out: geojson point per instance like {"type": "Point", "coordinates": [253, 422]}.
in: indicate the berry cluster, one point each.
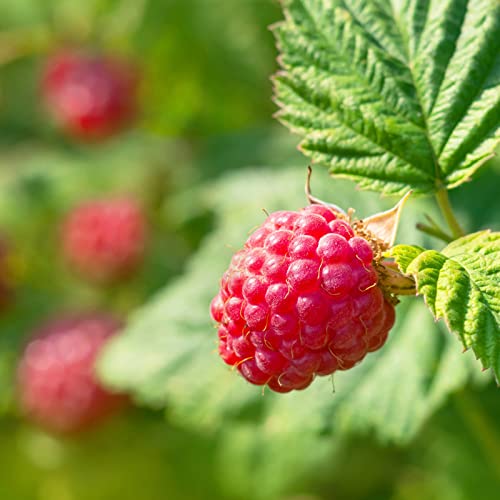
{"type": "Point", "coordinates": [90, 96]}
{"type": "Point", "coordinates": [301, 299]}
{"type": "Point", "coordinates": [57, 386]}
{"type": "Point", "coordinates": [104, 241]}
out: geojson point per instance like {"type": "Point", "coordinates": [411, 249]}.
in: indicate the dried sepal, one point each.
{"type": "Point", "coordinates": [384, 225]}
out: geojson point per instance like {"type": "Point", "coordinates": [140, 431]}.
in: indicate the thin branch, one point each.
{"type": "Point", "coordinates": [435, 231]}
{"type": "Point", "coordinates": [444, 204]}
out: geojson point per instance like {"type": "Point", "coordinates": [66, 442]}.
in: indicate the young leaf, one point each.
{"type": "Point", "coordinates": [167, 356]}
{"type": "Point", "coordinates": [461, 284]}
{"type": "Point", "coordinates": [397, 95]}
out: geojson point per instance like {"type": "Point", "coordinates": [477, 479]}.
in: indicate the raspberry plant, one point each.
{"type": "Point", "coordinates": [395, 95]}
{"type": "Point", "coordinates": [394, 106]}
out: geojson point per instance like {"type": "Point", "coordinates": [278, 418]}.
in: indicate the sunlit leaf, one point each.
{"type": "Point", "coordinates": [461, 284]}
{"type": "Point", "coordinates": [394, 94]}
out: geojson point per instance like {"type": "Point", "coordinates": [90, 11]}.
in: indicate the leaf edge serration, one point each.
{"type": "Point", "coordinates": [411, 261]}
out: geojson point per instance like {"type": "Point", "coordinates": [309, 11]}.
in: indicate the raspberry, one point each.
{"type": "Point", "coordinates": [91, 96]}
{"type": "Point", "coordinates": [57, 386]}
{"type": "Point", "coordinates": [301, 299]}
{"type": "Point", "coordinates": [105, 240]}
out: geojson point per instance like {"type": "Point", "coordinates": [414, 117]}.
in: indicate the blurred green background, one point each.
{"type": "Point", "coordinates": [204, 158]}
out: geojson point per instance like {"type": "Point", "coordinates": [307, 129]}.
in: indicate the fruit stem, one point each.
{"type": "Point", "coordinates": [313, 200]}
{"type": "Point", "coordinates": [445, 206]}
{"type": "Point", "coordinates": [435, 231]}
{"type": "Point", "coordinates": [480, 426]}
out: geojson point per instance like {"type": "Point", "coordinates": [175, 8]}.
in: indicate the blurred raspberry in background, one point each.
{"type": "Point", "coordinates": [105, 240]}
{"type": "Point", "coordinates": [92, 96]}
{"type": "Point", "coordinates": [58, 388]}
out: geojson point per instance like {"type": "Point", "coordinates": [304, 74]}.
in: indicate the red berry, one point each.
{"type": "Point", "coordinates": [104, 241]}
{"type": "Point", "coordinates": [301, 299]}
{"type": "Point", "coordinates": [56, 381]}
{"type": "Point", "coordinates": [91, 96]}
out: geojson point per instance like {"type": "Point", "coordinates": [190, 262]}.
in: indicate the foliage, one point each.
{"type": "Point", "coordinates": [460, 284]}
{"type": "Point", "coordinates": [393, 94]}
{"type": "Point", "coordinates": [167, 368]}
{"type": "Point", "coordinates": [392, 392]}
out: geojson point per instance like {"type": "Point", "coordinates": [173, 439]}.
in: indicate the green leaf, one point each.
{"type": "Point", "coordinates": [461, 285]}
{"type": "Point", "coordinates": [393, 94]}
{"type": "Point", "coordinates": [167, 356]}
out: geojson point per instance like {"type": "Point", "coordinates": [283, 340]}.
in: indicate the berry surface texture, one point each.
{"type": "Point", "coordinates": [301, 299]}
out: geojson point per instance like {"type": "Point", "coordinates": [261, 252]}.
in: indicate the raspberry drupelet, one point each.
{"type": "Point", "coordinates": [301, 299]}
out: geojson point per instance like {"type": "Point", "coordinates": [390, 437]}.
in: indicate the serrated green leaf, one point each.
{"type": "Point", "coordinates": [394, 94]}
{"type": "Point", "coordinates": [461, 284]}
{"type": "Point", "coordinates": [167, 357]}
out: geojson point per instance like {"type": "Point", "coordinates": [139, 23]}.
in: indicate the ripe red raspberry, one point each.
{"type": "Point", "coordinates": [105, 240]}
{"type": "Point", "coordinates": [56, 381]}
{"type": "Point", "coordinates": [92, 96]}
{"type": "Point", "coordinates": [301, 299]}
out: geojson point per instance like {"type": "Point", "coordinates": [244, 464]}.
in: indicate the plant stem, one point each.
{"type": "Point", "coordinates": [481, 427]}
{"type": "Point", "coordinates": [444, 204]}
{"type": "Point", "coordinates": [435, 231]}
